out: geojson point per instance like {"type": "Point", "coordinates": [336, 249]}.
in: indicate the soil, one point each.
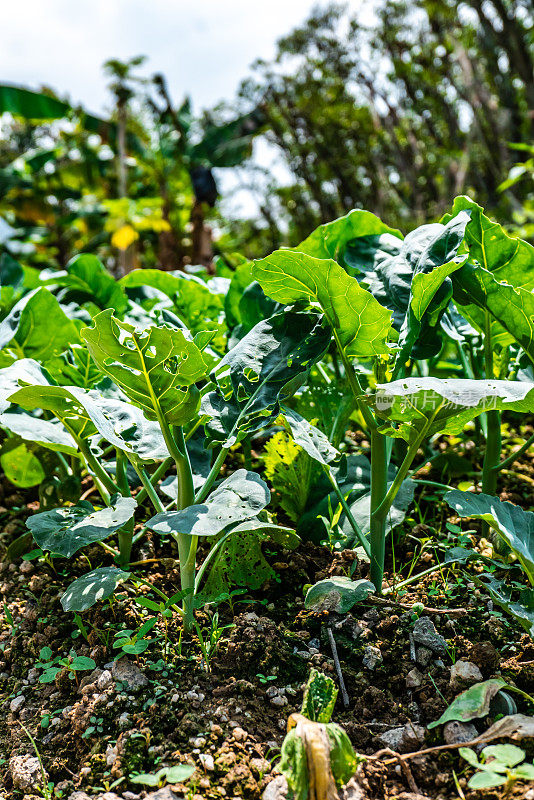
{"type": "Point", "coordinates": [228, 717]}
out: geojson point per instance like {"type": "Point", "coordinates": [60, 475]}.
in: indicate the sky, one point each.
{"type": "Point", "coordinates": [203, 47]}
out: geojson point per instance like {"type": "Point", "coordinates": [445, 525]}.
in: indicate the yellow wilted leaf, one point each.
{"type": "Point", "coordinates": [124, 237]}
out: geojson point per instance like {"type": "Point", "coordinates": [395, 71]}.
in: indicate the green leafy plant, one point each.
{"type": "Point", "coordinates": [51, 665]}
{"type": "Point", "coordinates": [177, 774]}
{"type": "Point", "coordinates": [499, 765]}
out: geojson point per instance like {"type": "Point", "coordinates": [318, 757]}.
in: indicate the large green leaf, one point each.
{"type": "Point", "coordinates": [240, 497]}
{"type": "Point", "coordinates": [67, 530]}
{"type": "Point", "coordinates": [198, 305]}
{"type": "Point", "coordinates": [87, 279]}
{"type": "Point", "coordinates": [359, 321]}
{"type": "Point", "coordinates": [265, 368]}
{"type": "Point", "coordinates": [156, 368]}
{"type": "Point", "coordinates": [500, 281]}
{"type": "Point", "coordinates": [412, 278]}
{"type": "Point", "coordinates": [508, 258]}
{"type": "Point", "coordinates": [331, 239]}
{"type": "Point", "coordinates": [84, 413]}
{"type": "Point", "coordinates": [97, 585]}
{"type": "Point", "coordinates": [37, 327]}
{"type": "Point", "coordinates": [239, 560]}
{"type": "Point", "coordinates": [478, 291]}
{"type": "Point", "coordinates": [31, 105]}
{"type": "Point", "coordinates": [47, 434]}
{"type": "Point", "coordinates": [435, 406]}
{"type": "Point", "coordinates": [20, 464]}
{"type": "Point", "coordinates": [521, 609]}
{"type": "Point", "coordinates": [26, 371]}
{"type": "Point", "coordinates": [514, 525]}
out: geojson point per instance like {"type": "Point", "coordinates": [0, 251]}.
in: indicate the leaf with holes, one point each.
{"type": "Point", "coordinates": [37, 327]}
{"type": "Point", "coordinates": [434, 405]}
{"type": "Point", "coordinates": [338, 594]}
{"type": "Point", "coordinates": [262, 371]}
{"type": "Point", "coordinates": [156, 368]}
{"type": "Point", "coordinates": [310, 438]}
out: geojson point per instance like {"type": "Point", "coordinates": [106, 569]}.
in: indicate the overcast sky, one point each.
{"type": "Point", "coordinates": [204, 47]}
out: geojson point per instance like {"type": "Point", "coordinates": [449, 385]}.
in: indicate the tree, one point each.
{"type": "Point", "coordinates": [399, 115]}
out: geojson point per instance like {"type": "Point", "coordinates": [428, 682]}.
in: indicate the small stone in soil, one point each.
{"type": "Point", "coordinates": [17, 703]}
{"type": "Point", "coordinates": [455, 732]}
{"type": "Point", "coordinates": [129, 673]}
{"type": "Point", "coordinates": [371, 657]}
{"type": "Point", "coordinates": [464, 674]}
{"type": "Point", "coordinates": [25, 772]}
{"type": "Point", "coordinates": [414, 678]}
{"type": "Point", "coordinates": [424, 633]}
{"type": "Point", "coordinates": [423, 656]}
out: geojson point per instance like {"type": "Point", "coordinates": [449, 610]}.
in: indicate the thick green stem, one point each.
{"type": "Point", "coordinates": [186, 497]}
{"type": "Point", "coordinates": [354, 525]}
{"type": "Point", "coordinates": [125, 544]}
{"type": "Point", "coordinates": [493, 421]}
{"type": "Point", "coordinates": [379, 478]}
{"type": "Point", "coordinates": [186, 492]}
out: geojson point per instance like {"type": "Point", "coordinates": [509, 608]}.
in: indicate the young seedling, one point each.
{"type": "Point", "coordinates": [499, 765]}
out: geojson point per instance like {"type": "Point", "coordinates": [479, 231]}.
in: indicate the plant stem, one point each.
{"type": "Point", "coordinates": [354, 525]}
{"type": "Point", "coordinates": [355, 386]}
{"type": "Point", "coordinates": [379, 477]}
{"type": "Point", "coordinates": [121, 475]}
{"type": "Point", "coordinates": [443, 486]}
{"type": "Point", "coordinates": [493, 419]}
{"type": "Point", "coordinates": [210, 480]}
{"type": "Point", "coordinates": [98, 471]}
{"type": "Point", "coordinates": [151, 492]}
{"type": "Point", "coordinates": [125, 537]}
{"type": "Point", "coordinates": [154, 478]}
{"type": "Point", "coordinates": [64, 464]}
{"type": "Point", "coordinates": [187, 545]}
{"type": "Point", "coordinates": [511, 458]}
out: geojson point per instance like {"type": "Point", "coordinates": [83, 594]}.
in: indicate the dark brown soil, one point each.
{"type": "Point", "coordinates": [229, 718]}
